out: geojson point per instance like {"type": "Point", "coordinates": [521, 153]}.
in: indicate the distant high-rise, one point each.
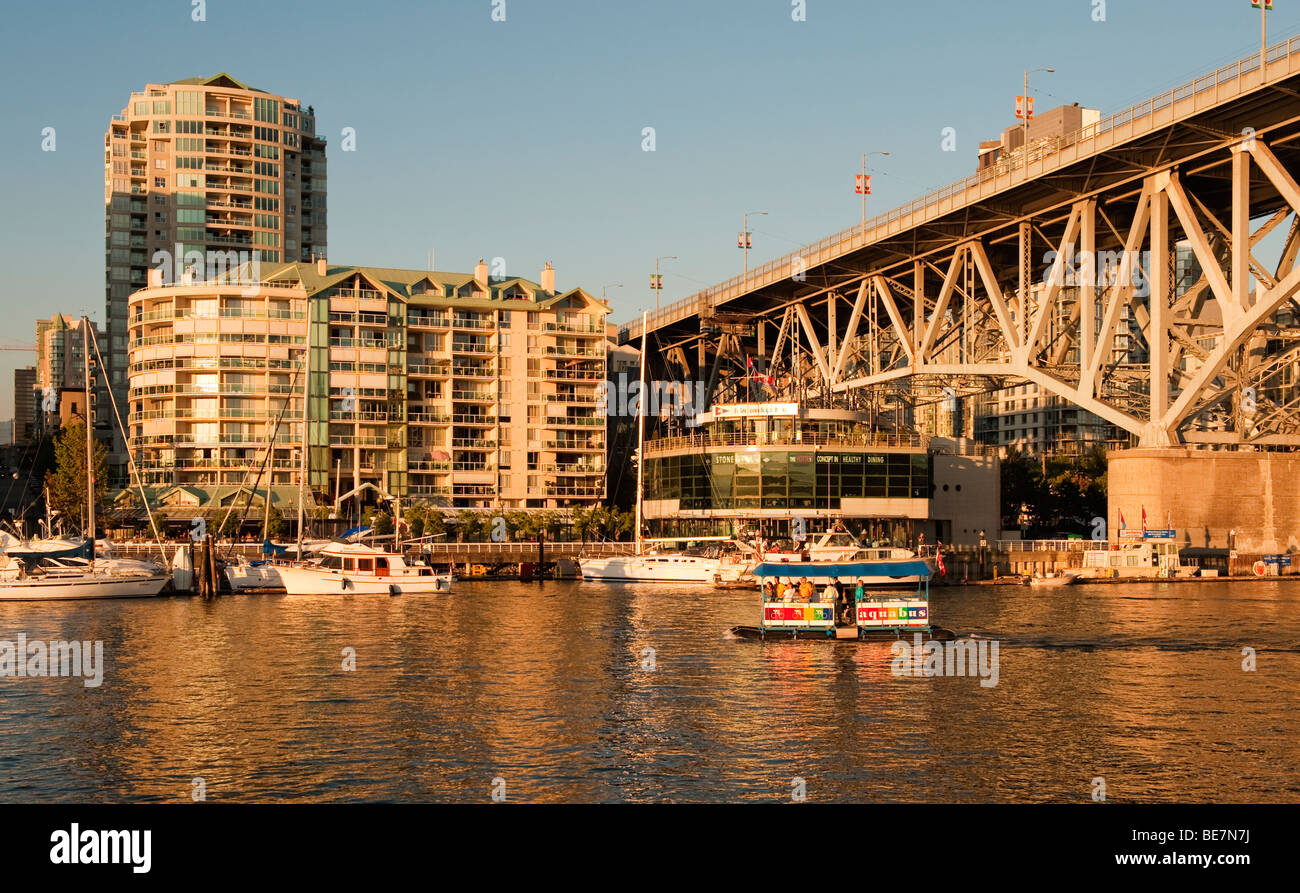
{"type": "Point", "coordinates": [24, 403]}
{"type": "Point", "coordinates": [210, 172]}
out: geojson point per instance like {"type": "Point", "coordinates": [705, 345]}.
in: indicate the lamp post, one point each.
{"type": "Point", "coordinates": [744, 237]}
{"type": "Point", "coordinates": [1027, 114]}
{"type": "Point", "coordinates": [1264, 6]}
{"type": "Point", "coordinates": [863, 187]}
{"type": "Point", "coordinates": [603, 299]}
{"type": "Point", "coordinates": [658, 282]}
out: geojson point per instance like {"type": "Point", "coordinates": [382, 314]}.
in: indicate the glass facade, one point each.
{"type": "Point", "coordinates": [779, 479]}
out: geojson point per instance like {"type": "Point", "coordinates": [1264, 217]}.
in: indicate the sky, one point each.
{"type": "Point", "coordinates": [523, 139]}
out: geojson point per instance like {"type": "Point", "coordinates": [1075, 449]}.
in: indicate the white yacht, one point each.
{"type": "Point", "coordinates": [56, 578]}
{"type": "Point", "coordinates": [655, 566]}
{"type": "Point", "coordinates": [354, 569]}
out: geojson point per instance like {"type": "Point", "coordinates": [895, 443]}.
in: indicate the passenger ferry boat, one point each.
{"type": "Point", "coordinates": [354, 569]}
{"type": "Point", "coordinates": [877, 616]}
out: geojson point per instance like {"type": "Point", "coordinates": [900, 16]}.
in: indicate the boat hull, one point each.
{"type": "Point", "coordinates": [315, 581]}
{"type": "Point", "coordinates": [633, 569]}
{"type": "Point", "coordinates": [70, 587]}
{"type": "Point", "coordinates": [254, 576]}
{"type": "Point", "coordinates": [931, 633]}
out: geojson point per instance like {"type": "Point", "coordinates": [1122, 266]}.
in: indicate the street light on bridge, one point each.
{"type": "Point", "coordinates": [657, 282]}
{"type": "Point", "coordinates": [745, 242]}
{"type": "Point", "coordinates": [1025, 110]}
{"type": "Point", "coordinates": [863, 187]}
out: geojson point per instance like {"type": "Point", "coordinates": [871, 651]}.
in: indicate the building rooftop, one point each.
{"type": "Point", "coordinates": [216, 80]}
{"type": "Point", "coordinates": [412, 285]}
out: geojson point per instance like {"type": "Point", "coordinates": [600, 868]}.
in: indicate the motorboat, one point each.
{"type": "Point", "coordinates": [356, 569]}
{"type": "Point", "coordinates": [1053, 580]}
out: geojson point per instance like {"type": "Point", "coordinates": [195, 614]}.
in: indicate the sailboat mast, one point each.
{"type": "Point", "coordinates": [90, 450]}
{"type": "Point", "coordinates": [302, 464]}
{"type": "Point", "coordinates": [640, 433]}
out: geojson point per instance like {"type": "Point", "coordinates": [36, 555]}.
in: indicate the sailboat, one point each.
{"type": "Point", "coordinates": [45, 574]}
{"type": "Point", "coordinates": [246, 574]}
{"type": "Point", "coordinates": [661, 564]}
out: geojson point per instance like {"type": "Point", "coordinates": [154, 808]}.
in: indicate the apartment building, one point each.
{"type": "Point", "coordinates": [61, 352]}
{"type": "Point", "coordinates": [456, 389]}
{"type": "Point", "coordinates": [24, 404]}
{"type": "Point", "coordinates": [204, 174]}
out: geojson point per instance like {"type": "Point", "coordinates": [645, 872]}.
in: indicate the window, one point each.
{"type": "Point", "coordinates": [189, 102]}
{"type": "Point", "coordinates": [266, 110]}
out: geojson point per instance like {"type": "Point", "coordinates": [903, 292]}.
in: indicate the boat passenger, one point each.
{"type": "Point", "coordinates": [860, 592]}
{"type": "Point", "coordinates": [769, 591]}
{"type": "Point", "coordinates": [806, 590]}
{"type": "Point", "coordinates": [789, 593]}
{"type": "Point", "coordinates": [831, 593]}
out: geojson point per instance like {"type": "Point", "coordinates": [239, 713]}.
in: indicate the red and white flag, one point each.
{"type": "Point", "coordinates": [938, 558]}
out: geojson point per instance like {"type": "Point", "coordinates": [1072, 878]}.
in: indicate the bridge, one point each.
{"type": "Point", "coordinates": [1056, 267]}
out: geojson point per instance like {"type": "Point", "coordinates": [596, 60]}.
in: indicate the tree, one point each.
{"type": "Point", "coordinates": [414, 519]}
{"type": "Point", "coordinates": [276, 526]}
{"type": "Point", "coordinates": [67, 479]}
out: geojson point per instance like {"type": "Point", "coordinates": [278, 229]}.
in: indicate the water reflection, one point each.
{"type": "Point", "coordinates": [551, 688]}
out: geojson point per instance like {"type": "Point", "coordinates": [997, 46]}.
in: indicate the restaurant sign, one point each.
{"type": "Point", "coordinates": [754, 410]}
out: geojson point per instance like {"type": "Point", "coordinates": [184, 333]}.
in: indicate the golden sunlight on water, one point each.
{"type": "Point", "coordinates": [590, 693]}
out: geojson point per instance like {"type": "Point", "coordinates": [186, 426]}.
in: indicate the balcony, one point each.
{"type": "Point", "coordinates": [575, 491]}
{"type": "Point", "coordinates": [426, 321]}
{"type": "Point", "coordinates": [575, 374]}
{"type": "Point", "coordinates": [576, 422]}
{"type": "Point", "coordinates": [470, 347]}
{"type": "Point", "coordinates": [474, 396]}
{"type": "Point", "coordinates": [464, 322]}
{"type": "Point", "coordinates": [558, 351]}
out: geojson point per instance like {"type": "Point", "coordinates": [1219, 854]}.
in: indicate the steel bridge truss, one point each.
{"type": "Point", "coordinates": [1127, 295]}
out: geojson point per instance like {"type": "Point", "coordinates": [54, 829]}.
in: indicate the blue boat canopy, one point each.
{"type": "Point", "coordinates": [270, 548]}
{"type": "Point", "coordinates": [851, 570]}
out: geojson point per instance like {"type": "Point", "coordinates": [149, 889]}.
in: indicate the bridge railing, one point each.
{"type": "Point", "coordinates": [1001, 175]}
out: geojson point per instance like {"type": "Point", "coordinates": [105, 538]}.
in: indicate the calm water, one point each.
{"type": "Point", "coordinates": [542, 685]}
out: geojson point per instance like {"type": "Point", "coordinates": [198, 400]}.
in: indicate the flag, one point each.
{"type": "Point", "coordinates": [862, 184]}
{"type": "Point", "coordinates": [1122, 525]}
{"type": "Point", "coordinates": [656, 281]}
{"type": "Point", "coordinates": [1268, 4]}
{"type": "Point", "coordinates": [1144, 519]}
{"type": "Point", "coordinates": [938, 558]}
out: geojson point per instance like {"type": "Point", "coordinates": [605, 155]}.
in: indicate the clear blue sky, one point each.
{"type": "Point", "coordinates": [522, 139]}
